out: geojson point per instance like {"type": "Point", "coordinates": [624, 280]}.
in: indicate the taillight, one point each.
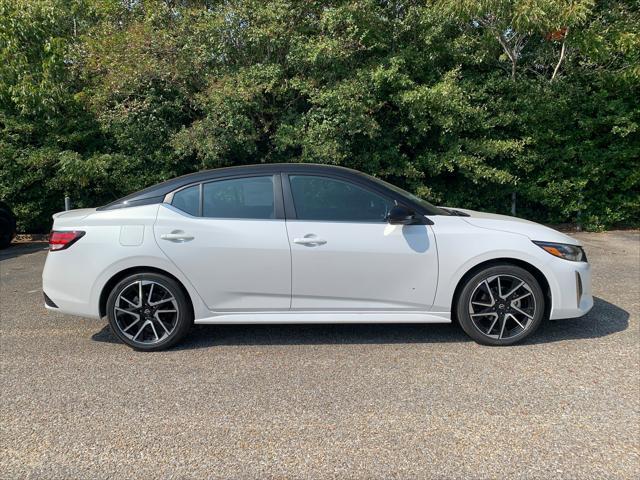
{"type": "Point", "coordinates": [59, 240]}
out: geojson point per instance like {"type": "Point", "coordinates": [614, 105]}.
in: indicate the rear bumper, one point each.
{"type": "Point", "coordinates": [66, 289]}
{"type": "Point", "coordinates": [48, 302]}
{"type": "Point", "coordinates": [573, 297]}
{"type": "Point", "coordinates": [63, 305]}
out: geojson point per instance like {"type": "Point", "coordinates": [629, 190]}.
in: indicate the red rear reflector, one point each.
{"type": "Point", "coordinates": [60, 240]}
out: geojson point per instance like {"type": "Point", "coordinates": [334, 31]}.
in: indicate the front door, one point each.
{"type": "Point", "coordinates": [345, 256]}
{"type": "Point", "coordinates": [225, 237]}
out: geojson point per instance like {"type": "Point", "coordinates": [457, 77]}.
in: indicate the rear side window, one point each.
{"type": "Point", "coordinates": [323, 198]}
{"type": "Point", "coordinates": [250, 197]}
{"type": "Point", "coordinates": [188, 200]}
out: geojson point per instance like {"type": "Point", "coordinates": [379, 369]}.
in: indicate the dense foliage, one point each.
{"type": "Point", "coordinates": [463, 102]}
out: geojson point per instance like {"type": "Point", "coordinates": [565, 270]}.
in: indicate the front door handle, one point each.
{"type": "Point", "coordinates": [177, 236]}
{"type": "Point", "coordinates": [309, 240]}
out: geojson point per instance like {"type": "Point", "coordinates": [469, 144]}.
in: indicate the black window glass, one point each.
{"type": "Point", "coordinates": [188, 200]}
{"type": "Point", "coordinates": [250, 197]}
{"type": "Point", "coordinates": [323, 198]}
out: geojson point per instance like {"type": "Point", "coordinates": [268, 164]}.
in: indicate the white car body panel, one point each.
{"type": "Point", "coordinates": [287, 317]}
{"type": "Point", "coordinates": [76, 277]}
{"type": "Point", "coordinates": [234, 264]}
{"type": "Point", "coordinates": [363, 266]}
{"type": "Point", "coordinates": [504, 223]}
{"type": "Point", "coordinates": [461, 249]}
{"type": "Point", "coordinates": [261, 271]}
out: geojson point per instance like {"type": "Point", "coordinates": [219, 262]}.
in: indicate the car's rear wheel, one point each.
{"type": "Point", "coordinates": [501, 305]}
{"type": "Point", "coordinates": [149, 311]}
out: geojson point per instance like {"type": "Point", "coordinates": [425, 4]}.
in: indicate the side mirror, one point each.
{"type": "Point", "coordinates": [401, 215]}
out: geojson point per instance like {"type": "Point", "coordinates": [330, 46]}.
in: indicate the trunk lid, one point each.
{"type": "Point", "coordinates": [70, 218]}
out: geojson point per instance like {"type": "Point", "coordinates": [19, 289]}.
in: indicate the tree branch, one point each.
{"type": "Point", "coordinates": [562, 54]}
{"type": "Point", "coordinates": [511, 54]}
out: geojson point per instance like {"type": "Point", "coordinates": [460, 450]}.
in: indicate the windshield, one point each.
{"type": "Point", "coordinates": [429, 208]}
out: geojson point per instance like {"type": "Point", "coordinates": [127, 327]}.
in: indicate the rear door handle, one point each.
{"type": "Point", "coordinates": [177, 236]}
{"type": "Point", "coordinates": [309, 240]}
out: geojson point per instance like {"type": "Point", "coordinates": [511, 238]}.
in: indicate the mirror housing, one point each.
{"type": "Point", "coordinates": [401, 215]}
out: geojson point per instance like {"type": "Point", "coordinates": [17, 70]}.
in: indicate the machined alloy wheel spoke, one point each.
{"type": "Point", "coordinates": [502, 306]}
{"type": "Point", "coordinates": [131, 325]}
{"type": "Point", "coordinates": [520, 311]}
{"type": "Point", "coordinates": [154, 330]}
{"type": "Point", "coordinates": [170, 299]}
{"type": "Point", "coordinates": [130, 302]}
{"type": "Point", "coordinates": [514, 290]}
{"type": "Point", "coordinates": [516, 320]}
{"type": "Point", "coordinates": [484, 304]}
{"type": "Point", "coordinates": [130, 312]}
{"type": "Point", "coordinates": [150, 307]}
{"type": "Point", "coordinates": [140, 330]}
{"type": "Point", "coordinates": [504, 323]}
{"type": "Point", "coordinates": [162, 324]}
{"type": "Point", "coordinates": [521, 297]}
{"type": "Point", "coordinates": [493, 324]}
{"type": "Point", "coordinates": [493, 300]}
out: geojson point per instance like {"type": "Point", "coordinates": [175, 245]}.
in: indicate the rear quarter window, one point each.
{"type": "Point", "coordinates": [188, 200]}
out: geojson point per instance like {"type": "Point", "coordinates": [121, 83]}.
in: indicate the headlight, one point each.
{"type": "Point", "coordinates": [564, 250]}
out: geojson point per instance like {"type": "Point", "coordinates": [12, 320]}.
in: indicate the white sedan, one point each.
{"type": "Point", "coordinates": [302, 243]}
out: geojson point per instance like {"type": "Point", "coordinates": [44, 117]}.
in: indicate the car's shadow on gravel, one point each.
{"type": "Point", "coordinates": [18, 249]}
{"type": "Point", "coordinates": [604, 319]}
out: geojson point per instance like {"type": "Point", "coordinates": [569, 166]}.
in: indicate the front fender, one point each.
{"type": "Point", "coordinates": [448, 290]}
{"type": "Point", "coordinates": [462, 247]}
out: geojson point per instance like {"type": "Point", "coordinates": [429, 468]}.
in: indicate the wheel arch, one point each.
{"type": "Point", "coordinates": [532, 269]}
{"type": "Point", "coordinates": [106, 290]}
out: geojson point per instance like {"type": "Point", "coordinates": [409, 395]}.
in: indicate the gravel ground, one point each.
{"type": "Point", "coordinates": [357, 401]}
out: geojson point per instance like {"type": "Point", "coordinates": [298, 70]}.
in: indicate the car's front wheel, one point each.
{"type": "Point", "coordinates": [149, 311]}
{"type": "Point", "coordinates": [501, 305]}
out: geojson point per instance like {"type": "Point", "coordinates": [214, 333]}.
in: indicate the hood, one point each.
{"type": "Point", "coordinates": [505, 223]}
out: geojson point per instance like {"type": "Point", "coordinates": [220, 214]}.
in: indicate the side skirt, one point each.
{"type": "Point", "coordinates": [326, 317]}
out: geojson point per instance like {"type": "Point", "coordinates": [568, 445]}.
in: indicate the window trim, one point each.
{"type": "Point", "coordinates": [278, 203]}
{"type": "Point", "coordinates": [290, 209]}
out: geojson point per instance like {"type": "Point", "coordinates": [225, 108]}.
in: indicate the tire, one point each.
{"type": "Point", "coordinates": [500, 305]}
{"type": "Point", "coordinates": [161, 320]}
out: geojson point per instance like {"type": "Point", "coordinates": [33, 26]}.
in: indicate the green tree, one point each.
{"type": "Point", "coordinates": [102, 97]}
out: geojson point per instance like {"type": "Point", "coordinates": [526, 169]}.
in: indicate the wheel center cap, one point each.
{"type": "Point", "coordinates": [502, 306]}
{"type": "Point", "coordinates": [147, 311]}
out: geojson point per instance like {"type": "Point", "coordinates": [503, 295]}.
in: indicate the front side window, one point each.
{"type": "Point", "coordinates": [188, 200]}
{"type": "Point", "coordinates": [329, 199]}
{"type": "Point", "coordinates": [429, 208]}
{"type": "Point", "coordinates": [250, 197]}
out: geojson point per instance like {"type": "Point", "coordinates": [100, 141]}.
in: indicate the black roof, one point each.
{"type": "Point", "coordinates": [156, 193]}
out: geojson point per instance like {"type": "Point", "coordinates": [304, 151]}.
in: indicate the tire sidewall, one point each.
{"type": "Point", "coordinates": [462, 308]}
{"type": "Point", "coordinates": [185, 317]}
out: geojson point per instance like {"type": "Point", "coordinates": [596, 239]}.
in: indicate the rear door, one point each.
{"type": "Point", "coordinates": [345, 256]}
{"type": "Point", "coordinates": [229, 238]}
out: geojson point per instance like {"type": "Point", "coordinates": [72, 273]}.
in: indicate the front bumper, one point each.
{"type": "Point", "coordinates": [572, 297]}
